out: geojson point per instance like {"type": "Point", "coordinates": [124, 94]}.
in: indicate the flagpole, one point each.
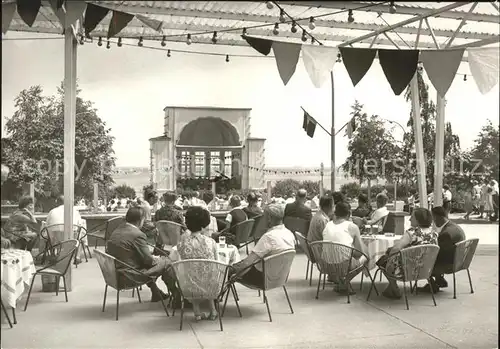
{"type": "Point", "coordinates": [333, 170]}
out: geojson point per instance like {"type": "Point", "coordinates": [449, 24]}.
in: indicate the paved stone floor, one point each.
{"type": "Point", "coordinates": [470, 321]}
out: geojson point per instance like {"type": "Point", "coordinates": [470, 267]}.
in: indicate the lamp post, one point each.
{"type": "Point", "coordinates": [395, 177]}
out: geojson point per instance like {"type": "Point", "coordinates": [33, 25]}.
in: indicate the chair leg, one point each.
{"type": "Point", "coordinates": [133, 292]}
{"type": "Point", "coordinates": [217, 307]}
{"type": "Point", "coordinates": [348, 292]}
{"type": "Point", "coordinates": [182, 313]}
{"type": "Point", "coordinates": [139, 296]}
{"type": "Point", "coordinates": [470, 281]}
{"type": "Point", "coordinates": [288, 299]}
{"type": "Point", "coordinates": [65, 288]}
{"type": "Point", "coordinates": [235, 293]}
{"type": "Point", "coordinates": [233, 290]}
{"type": "Point", "coordinates": [373, 281]}
{"type": "Point", "coordinates": [58, 281]}
{"type": "Point", "coordinates": [324, 281]}
{"type": "Point", "coordinates": [88, 250]}
{"type": "Point", "coordinates": [380, 277]}
{"type": "Point", "coordinates": [361, 284]}
{"type": "Point", "coordinates": [406, 296]}
{"type": "Point", "coordinates": [267, 306]}
{"type": "Point", "coordinates": [117, 303]}
{"type": "Point", "coordinates": [14, 316]}
{"type": "Point", "coordinates": [307, 269]}
{"type": "Point", "coordinates": [454, 287]}
{"type": "Point", "coordinates": [311, 274]}
{"type": "Point", "coordinates": [6, 315]}
{"type": "Point", "coordinates": [319, 284]}
{"type": "Point", "coordinates": [29, 293]}
{"type": "Point", "coordinates": [258, 291]}
{"type": "Point", "coordinates": [432, 292]}
{"type": "Point", "coordinates": [162, 303]}
{"type": "Point", "coordinates": [104, 301]}
{"type": "Point", "coordinates": [372, 284]}
{"type": "Point", "coordinates": [225, 301]}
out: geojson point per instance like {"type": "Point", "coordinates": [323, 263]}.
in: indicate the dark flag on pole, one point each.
{"type": "Point", "coordinates": [309, 124]}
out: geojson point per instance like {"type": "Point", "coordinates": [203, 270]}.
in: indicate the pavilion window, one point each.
{"type": "Point", "coordinates": [185, 163]}
{"type": "Point", "coordinates": [228, 161]}
{"type": "Point", "coordinates": [215, 162]}
{"type": "Point", "coordinates": [199, 164]}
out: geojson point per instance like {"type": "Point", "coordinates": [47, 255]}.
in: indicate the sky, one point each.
{"type": "Point", "coordinates": [130, 87]}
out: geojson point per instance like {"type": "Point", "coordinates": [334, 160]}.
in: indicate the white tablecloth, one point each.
{"type": "Point", "coordinates": [377, 245]}
{"type": "Point", "coordinates": [17, 270]}
{"type": "Point", "coordinates": [228, 254]}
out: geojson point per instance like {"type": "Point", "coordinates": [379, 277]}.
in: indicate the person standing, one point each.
{"type": "Point", "coordinates": [476, 196]}
{"type": "Point", "coordinates": [447, 196]}
{"type": "Point", "coordinates": [485, 206]}
{"type": "Point", "coordinates": [494, 199]}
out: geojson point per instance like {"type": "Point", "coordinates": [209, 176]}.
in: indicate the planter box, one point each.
{"type": "Point", "coordinates": [49, 283]}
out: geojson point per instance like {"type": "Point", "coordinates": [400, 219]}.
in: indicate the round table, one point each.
{"type": "Point", "coordinates": [377, 245]}
{"type": "Point", "coordinates": [17, 270]}
{"type": "Point", "coordinates": [227, 254]}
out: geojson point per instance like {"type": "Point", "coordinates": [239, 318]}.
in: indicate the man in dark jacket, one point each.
{"type": "Point", "coordinates": [128, 244]}
{"type": "Point", "coordinates": [298, 208]}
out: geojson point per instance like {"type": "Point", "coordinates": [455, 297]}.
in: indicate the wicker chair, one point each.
{"type": "Point", "coordinates": [295, 224]}
{"type": "Point", "coordinates": [337, 261]}
{"type": "Point", "coordinates": [276, 269]}
{"type": "Point", "coordinates": [111, 276]}
{"type": "Point", "coordinates": [464, 253]}
{"type": "Point", "coordinates": [169, 233]}
{"type": "Point", "coordinates": [200, 279]}
{"type": "Point", "coordinates": [54, 234]}
{"type": "Point", "coordinates": [417, 263]}
{"type": "Point", "coordinates": [304, 244]}
{"type": "Point", "coordinates": [110, 227]}
{"type": "Point", "coordinates": [63, 254]}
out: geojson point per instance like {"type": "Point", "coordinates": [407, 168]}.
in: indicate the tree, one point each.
{"type": "Point", "coordinates": [34, 148]}
{"type": "Point", "coordinates": [123, 191]}
{"type": "Point", "coordinates": [286, 187]}
{"type": "Point", "coordinates": [312, 187]}
{"type": "Point", "coordinates": [372, 149]}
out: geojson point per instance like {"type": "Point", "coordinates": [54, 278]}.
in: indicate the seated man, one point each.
{"type": "Point", "coordinates": [234, 217]}
{"type": "Point", "coordinates": [128, 244]}
{"type": "Point", "coordinates": [277, 239]}
{"type": "Point", "coordinates": [298, 208]}
{"type": "Point", "coordinates": [252, 210]}
{"type": "Point", "coordinates": [320, 219]}
{"type": "Point", "coordinates": [363, 210]}
{"type": "Point", "coordinates": [169, 212]}
{"type": "Point", "coordinates": [56, 216]}
{"type": "Point", "coordinates": [449, 234]}
{"type": "Point", "coordinates": [381, 212]}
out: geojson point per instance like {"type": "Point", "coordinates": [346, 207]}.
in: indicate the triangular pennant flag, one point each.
{"type": "Point", "coordinates": [7, 15]}
{"type": "Point", "coordinates": [483, 64]}
{"type": "Point", "coordinates": [441, 67]}
{"type": "Point", "coordinates": [287, 56]}
{"type": "Point", "coordinates": [118, 22]}
{"type": "Point", "coordinates": [152, 23]}
{"type": "Point", "coordinates": [74, 12]}
{"type": "Point", "coordinates": [93, 16]}
{"type": "Point", "coordinates": [357, 61]}
{"type": "Point", "coordinates": [28, 10]}
{"type": "Point", "coordinates": [319, 61]}
{"type": "Point", "coordinates": [58, 11]}
{"type": "Point", "coordinates": [399, 67]}
{"type": "Point", "coordinates": [260, 45]}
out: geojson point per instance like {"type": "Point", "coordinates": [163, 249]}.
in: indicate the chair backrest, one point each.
{"type": "Point", "coordinates": [242, 231]}
{"type": "Point", "coordinates": [464, 252]}
{"type": "Point", "coordinates": [295, 224]}
{"type": "Point", "coordinates": [169, 232]}
{"type": "Point", "coordinates": [200, 278]}
{"type": "Point", "coordinates": [63, 255]}
{"type": "Point", "coordinates": [107, 263]}
{"type": "Point", "coordinates": [276, 268]}
{"type": "Point", "coordinates": [304, 244]}
{"type": "Point", "coordinates": [259, 227]}
{"type": "Point", "coordinates": [112, 224]}
{"type": "Point", "coordinates": [418, 261]}
{"type": "Point", "coordinates": [256, 221]}
{"type": "Point", "coordinates": [332, 258]}
{"type": "Point", "coordinates": [54, 233]}
{"type": "Point", "coordinates": [376, 225]}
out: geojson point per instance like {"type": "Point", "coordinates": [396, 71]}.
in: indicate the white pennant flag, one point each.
{"type": "Point", "coordinates": [483, 64]}
{"type": "Point", "coordinates": [319, 62]}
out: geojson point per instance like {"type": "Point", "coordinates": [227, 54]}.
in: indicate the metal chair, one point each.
{"type": "Point", "coordinates": [112, 278]}
{"type": "Point", "coordinates": [243, 233]}
{"type": "Point", "coordinates": [111, 225]}
{"type": "Point", "coordinates": [62, 254]}
{"type": "Point", "coordinates": [295, 224]}
{"type": "Point", "coordinates": [258, 229]}
{"type": "Point", "coordinates": [7, 315]}
{"type": "Point", "coordinates": [200, 279]}
{"type": "Point", "coordinates": [304, 244]}
{"type": "Point", "coordinates": [416, 264]}
{"type": "Point", "coordinates": [54, 234]}
{"type": "Point", "coordinates": [169, 233]}
{"type": "Point", "coordinates": [337, 261]}
{"type": "Point", "coordinates": [275, 270]}
{"type": "Point", "coordinates": [464, 253]}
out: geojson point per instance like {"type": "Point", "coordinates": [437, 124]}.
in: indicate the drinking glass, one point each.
{"type": "Point", "coordinates": [222, 241]}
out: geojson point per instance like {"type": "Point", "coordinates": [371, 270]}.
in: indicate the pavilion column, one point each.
{"type": "Point", "coordinates": [419, 144]}
{"type": "Point", "coordinates": [222, 156]}
{"type": "Point", "coordinates": [192, 164]}
{"type": "Point", "coordinates": [439, 153]}
{"type": "Point", "coordinates": [70, 45]}
{"type": "Point", "coordinates": [208, 164]}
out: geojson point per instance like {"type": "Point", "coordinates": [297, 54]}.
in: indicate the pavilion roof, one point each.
{"type": "Point", "coordinates": [228, 18]}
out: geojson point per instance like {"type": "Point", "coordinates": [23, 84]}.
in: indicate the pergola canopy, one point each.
{"type": "Point", "coordinates": [465, 24]}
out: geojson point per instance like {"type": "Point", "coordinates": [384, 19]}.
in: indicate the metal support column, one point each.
{"type": "Point", "coordinates": [333, 168]}
{"type": "Point", "coordinates": [439, 159]}
{"type": "Point", "coordinates": [419, 144]}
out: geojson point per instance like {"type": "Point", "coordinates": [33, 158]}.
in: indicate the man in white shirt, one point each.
{"type": "Point", "coordinates": [56, 216]}
{"type": "Point", "coordinates": [380, 213]}
{"type": "Point", "coordinates": [277, 239]}
{"type": "Point", "coordinates": [447, 199]}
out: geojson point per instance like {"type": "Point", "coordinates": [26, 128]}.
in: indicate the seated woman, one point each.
{"type": "Point", "coordinates": [421, 232]}
{"type": "Point", "coordinates": [194, 245]}
{"type": "Point", "coordinates": [22, 227]}
{"type": "Point", "coordinates": [342, 230]}
{"type": "Point", "coordinates": [235, 216]}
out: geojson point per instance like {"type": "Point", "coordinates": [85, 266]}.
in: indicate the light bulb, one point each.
{"type": "Point", "coordinates": [276, 29]}
{"type": "Point", "coordinates": [294, 27]}
{"type": "Point", "coordinates": [188, 39]}
{"type": "Point", "coordinates": [269, 5]}
{"type": "Point", "coordinates": [163, 41]}
{"type": "Point", "coordinates": [350, 17]}
{"type": "Point", "coordinates": [339, 58]}
{"type": "Point", "coordinates": [304, 36]}
{"type": "Point", "coordinates": [244, 32]}
{"type": "Point", "coordinates": [168, 53]}
{"type": "Point", "coordinates": [140, 43]}
{"type": "Point", "coordinates": [392, 8]}
{"type": "Point", "coordinates": [465, 77]}
{"type": "Point", "coordinates": [108, 45]}
{"type": "Point", "coordinates": [214, 38]}
{"type": "Point", "coordinates": [99, 43]}
{"type": "Point", "coordinates": [82, 40]}
{"type": "Point", "coordinates": [119, 42]}
{"type": "Point", "coordinates": [312, 25]}
{"type": "Point", "coordinates": [282, 16]}
{"type": "Point", "coordinates": [227, 58]}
